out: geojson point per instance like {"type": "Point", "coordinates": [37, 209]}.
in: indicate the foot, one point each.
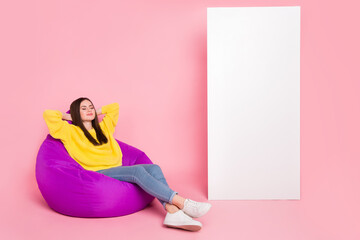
{"type": "Point", "coordinates": [180, 220]}
{"type": "Point", "coordinates": [195, 209]}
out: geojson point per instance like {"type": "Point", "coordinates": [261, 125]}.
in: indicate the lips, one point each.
{"type": "Point", "coordinates": [89, 114]}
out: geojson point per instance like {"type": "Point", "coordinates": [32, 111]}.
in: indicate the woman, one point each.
{"type": "Point", "coordinates": [94, 147]}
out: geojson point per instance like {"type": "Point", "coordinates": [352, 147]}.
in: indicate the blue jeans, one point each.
{"type": "Point", "coordinates": [148, 176]}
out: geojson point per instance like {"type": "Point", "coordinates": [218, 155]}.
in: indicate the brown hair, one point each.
{"type": "Point", "coordinates": [76, 120]}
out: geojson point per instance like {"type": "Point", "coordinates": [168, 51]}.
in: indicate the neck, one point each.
{"type": "Point", "coordinates": [87, 125]}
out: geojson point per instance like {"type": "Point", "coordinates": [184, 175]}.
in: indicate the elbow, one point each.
{"type": "Point", "coordinates": [51, 113]}
{"type": "Point", "coordinates": [45, 113]}
{"type": "Point", "coordinates": [116, 106]}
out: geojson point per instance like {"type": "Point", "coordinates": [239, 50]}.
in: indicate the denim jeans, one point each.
{"type": "Point", "coordinates": [148, 176]}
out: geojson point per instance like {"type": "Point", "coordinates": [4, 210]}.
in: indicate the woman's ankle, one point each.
{"type": "Point", "coordinates": [170, 208]}
{"type": "Point", "coordinates": [178, 201]}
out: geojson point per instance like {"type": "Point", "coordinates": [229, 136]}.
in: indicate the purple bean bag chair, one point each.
{"type": "Point", "coordinates": [71, 190]}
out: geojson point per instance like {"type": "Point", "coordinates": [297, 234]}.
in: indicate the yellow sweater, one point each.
{"type": "Point", "coordinates": [90, 157]}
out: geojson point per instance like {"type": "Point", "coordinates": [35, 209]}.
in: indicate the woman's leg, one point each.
{"type": "Point", "coordinates": [155, 171]}
{"type": "Point", "coordinates": [137, 174]}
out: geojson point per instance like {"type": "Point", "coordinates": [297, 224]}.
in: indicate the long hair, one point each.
{"type": "Point", "coordinates": [76, 120]}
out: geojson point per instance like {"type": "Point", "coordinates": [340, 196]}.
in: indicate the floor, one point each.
{"type": "Point", "coordinates": [315, 216]}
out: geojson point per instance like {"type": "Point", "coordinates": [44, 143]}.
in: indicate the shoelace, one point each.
{"type": "Point", "coordinates": [193, 204]}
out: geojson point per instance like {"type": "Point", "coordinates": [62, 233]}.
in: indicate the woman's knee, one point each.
{"type": "Point", "coordinates": [139, 170]}
{"type": "Point", "coordinates": [155, 168]}
{"type": "Point", "coordinates": [152, 169]}
{"type": "Point", "coordinates": [150, 166]}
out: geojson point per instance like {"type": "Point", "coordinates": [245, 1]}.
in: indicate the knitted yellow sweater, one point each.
{"type": "Point", "coordinates": [90, 157]}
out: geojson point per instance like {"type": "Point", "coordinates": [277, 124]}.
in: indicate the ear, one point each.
{"type": "Point", "coordinates": [69, 120]}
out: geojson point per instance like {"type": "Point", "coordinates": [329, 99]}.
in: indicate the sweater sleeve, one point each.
{"type": "Point", "coordinates": [112, 116]}
{"type": "Point", "coordinates": [58, 128]}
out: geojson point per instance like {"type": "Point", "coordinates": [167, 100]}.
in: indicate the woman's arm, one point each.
{"type": "Point", "coordinates": [57, 127]}
{"type": "Point", "coordinates": [111, 112]}
{"type": "Point", "coordinates": [98, 112]}
{"type": "Point", "coordinates": [66, 116]}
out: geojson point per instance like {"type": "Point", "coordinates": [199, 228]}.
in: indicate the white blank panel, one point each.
{"type": "Point", "coordinates": [253, 103]}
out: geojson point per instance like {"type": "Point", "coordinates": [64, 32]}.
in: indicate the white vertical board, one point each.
{"type": "Point", "coordinates": [253, 103]}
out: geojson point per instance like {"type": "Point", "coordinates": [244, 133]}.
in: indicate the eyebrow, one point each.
{"type": "Point", "coordinates": [85, 106]}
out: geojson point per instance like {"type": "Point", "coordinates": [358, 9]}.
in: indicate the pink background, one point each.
{"type": "Point", "coordinates": [150, 57]}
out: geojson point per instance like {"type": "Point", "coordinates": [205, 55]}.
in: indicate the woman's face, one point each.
{"type": "Point", "coordinates": [87, 111]}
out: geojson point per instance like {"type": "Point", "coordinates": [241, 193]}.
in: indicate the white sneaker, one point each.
{"type": "Point", "coordinates": [180, 220]}
{"type": "Point", "coordinates": [195, 209]}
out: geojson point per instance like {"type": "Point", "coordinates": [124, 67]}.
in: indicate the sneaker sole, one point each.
{"type": "Point", "coordinates": [192, 228]}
